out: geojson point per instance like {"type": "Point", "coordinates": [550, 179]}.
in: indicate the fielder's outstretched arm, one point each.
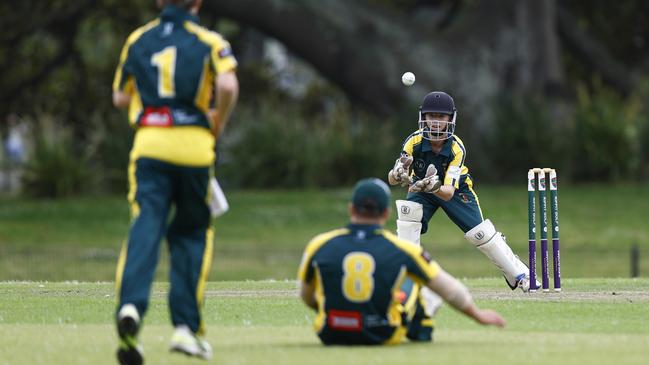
{"type": "Point", "coordinates": [458, 296]}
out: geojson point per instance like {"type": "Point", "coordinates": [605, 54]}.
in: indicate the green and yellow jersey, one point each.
{"type": "Point", "coordinates": [449, 161]}
{"type": "Point", "coordinates": [168, 66]}
{"type": "Point", "coordinates": [357, 273]}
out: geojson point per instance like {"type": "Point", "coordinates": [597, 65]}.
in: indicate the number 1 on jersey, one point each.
{"type": "Point", "coordinates": [358, 278]}
{"type": "Point", "coordinates": [165, 61]}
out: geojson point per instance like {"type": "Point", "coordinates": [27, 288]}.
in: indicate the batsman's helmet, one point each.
{"type": "Point", "coordinates": [437, 102]}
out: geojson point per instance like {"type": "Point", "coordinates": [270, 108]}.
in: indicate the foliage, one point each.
{"type": "Point", "coordinates": [608, 135]}
{"type": "Point", "coordinates": [109, 144]}
{"type": "Point", "coordinates": [523, 137]}
{"type": "Point", "coordinates": [59, 58]}
{"type": "Point", "coordinates": [273, 145]}
{"type": "Point", "coordinates": [603, 136]}
{"type": "Point", "coordinates": [59, 166]}
{"type": "Point", "coordinates": [55, 168]}
{"type": "Point", "coordinates": [623, 28]}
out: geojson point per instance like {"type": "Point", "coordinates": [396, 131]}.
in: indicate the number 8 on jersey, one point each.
{"type": "Point", "coordinates": [358, 277]}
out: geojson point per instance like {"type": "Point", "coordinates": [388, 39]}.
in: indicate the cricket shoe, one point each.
{"type": "Point", "coordinates": [186, 342]}
{"type": "Point", "coordinates": [523, 282]}
{"type": "Point", "coordinates": [129, 351]}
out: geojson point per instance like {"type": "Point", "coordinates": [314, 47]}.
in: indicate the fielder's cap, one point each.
{"type": "Point", "coordinates": [371, 195]}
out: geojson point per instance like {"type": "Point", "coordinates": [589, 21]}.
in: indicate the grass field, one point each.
{"type": "Point", "coordinates": [264, 233]}
{"type": "Point", "coordinates": [594, 321]}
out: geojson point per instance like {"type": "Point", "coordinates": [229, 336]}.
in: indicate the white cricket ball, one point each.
{"type": "Point", "coordinates": [408, 78]}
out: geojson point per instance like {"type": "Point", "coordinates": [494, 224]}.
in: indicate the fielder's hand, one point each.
{"type": "Point", "coordinates": [429, 184]}
{"type": "Point", "coordinates": [400, 173]}
{"type": "Point", "coordinates": [489, 317]}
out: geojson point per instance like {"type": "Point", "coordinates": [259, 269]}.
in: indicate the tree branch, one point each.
{"type": "Point", "coordinates": [593, 53]}
{"type": "Point", "coordinates": [52, 21]}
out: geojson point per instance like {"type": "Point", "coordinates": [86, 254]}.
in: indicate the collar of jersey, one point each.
{"type": "Point", "coordinates": [176, 14]}
{"type": "Point", "coordinates": [446, 148]}
{"type": "Point", "coordinates": [364, 227]}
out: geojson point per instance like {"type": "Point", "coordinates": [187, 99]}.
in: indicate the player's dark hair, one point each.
{"type": "Point", "coordinates": [369, 215]}
{"type": "Point", "coordinates": [369, 209]}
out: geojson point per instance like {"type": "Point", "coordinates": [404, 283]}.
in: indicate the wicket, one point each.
{"type": "Point", "coordinates": [554, 212]}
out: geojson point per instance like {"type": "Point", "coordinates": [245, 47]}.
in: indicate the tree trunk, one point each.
{"type": "Point", "coordinates": [364, 50]}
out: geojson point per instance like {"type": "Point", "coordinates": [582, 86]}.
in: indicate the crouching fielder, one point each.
{"type": "Point", "coordinates": [432, 167]}
{"type": "Point", "coordinates": [351, 277]}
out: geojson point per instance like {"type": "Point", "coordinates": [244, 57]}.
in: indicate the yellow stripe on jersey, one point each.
{"type": "Point", "coordinates": [395, 308]}
{"type": "Point", "coordinates": [217, 43]}
{"type": "Point", "coordinates": [430, 269]}
{"type": "Point", "coordinates": [410, 306]}
{"type": "Point", "coordinates": [319, 321]}
{"type": "Point", "coordinates": [313, 246]}
{"type": "Point", "coordinates": [186, 145]}
{"type": "Point", "coordinates": [452, 176]}
{"type": "Point", "coordinates": [469, 184]}
{"type": "Point", "coordinates": [411, 142]}
{"type": "Point", "coordinates": [397, 336]}
{"type": "Point", "coordinates": [205, 87]}
{"type": "Point", "coordinates": [135, 107]}
{"type": "Point", "coordinates": [119, 81]}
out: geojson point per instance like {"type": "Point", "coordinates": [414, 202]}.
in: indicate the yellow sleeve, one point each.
{"type": "Point", "coordinates": [305, 271]}
{"type": "Point", "coordinates": [409, 144]}
{"type": "Point", "coordinates": [433, 267]}
{"type": "Point", "coordinates": [119, 82]}
{"type": "Point", "coordinates": [456, 167]}
{"type": "Point", "coordinates": [221, 56]}
{"type": "Point", "coordinates": [420, 268]}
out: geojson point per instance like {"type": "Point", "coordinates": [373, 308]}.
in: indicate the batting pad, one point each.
{"type": "Point", "coordinates": [409, 211]}
{"type": "Point", "coordinates": [492, 244]}
{"type": "Point", "coordinates": [410, 231]}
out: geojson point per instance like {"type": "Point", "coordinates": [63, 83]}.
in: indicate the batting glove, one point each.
{"type": "Point", "coordinates": [400, 173]}
{"type": "Point", "coordinates": [429, 184]}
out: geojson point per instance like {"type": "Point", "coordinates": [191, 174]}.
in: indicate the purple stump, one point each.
{"type": "Point", "coordinates": [557, 264]}
{"type": "Point", "coordinates": [544, 265]}
{"type": "Point", "coordinates": [532, 262]}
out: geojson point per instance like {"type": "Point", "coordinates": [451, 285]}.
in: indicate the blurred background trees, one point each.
{"type": "Point", "coordinates": [557, 83]}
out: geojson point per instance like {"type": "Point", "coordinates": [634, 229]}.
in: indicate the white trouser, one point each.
{"type": "Point", "coordinates": [492, 244]}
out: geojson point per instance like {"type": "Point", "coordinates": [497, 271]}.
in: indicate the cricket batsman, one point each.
{"type": "Point", "coordinates": [432, 166]}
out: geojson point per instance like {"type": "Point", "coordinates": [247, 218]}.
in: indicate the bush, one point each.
{"type": "Point", "coordinates": [524, 136]}
{"type": "Point", "coordinates": [109, 146]}
{"type": "Point", "coordinates": [54, 167]}
{"type": "Point", "coordinates": [602, 136]}
{"type": "Point", "coordinates": [274, 145]}
{"type": "Point", "coordinates": [608, 138]}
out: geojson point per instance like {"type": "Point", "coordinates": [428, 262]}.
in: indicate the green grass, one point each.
{"type": "Point", "coordinates": [594, 321]}
{"type": "Point", "coordinates": [264, 233]}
